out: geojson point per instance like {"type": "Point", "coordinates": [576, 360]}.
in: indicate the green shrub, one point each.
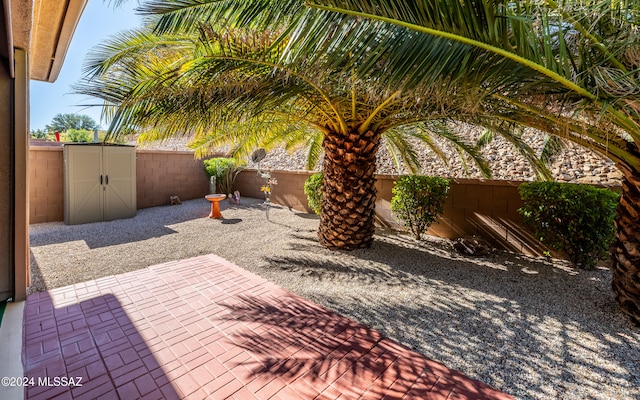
{"type": "Point", "coordinates": [577, 219]}
{"type": "Point", "coordinates": [224, 170]}
{"type": "Point", "coordinates": [418, 200]}
{"type": "Point", "coordinates": [79, 135]}
{"type": "Point", "coordinates": [313, 190]}
{"type": "Point", "coordinates": [38, 134]}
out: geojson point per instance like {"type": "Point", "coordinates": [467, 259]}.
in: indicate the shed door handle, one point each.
{"type": "Point", "coordinates": [107, 179]}
{"type": "Point", "coordinates": [101, 179]}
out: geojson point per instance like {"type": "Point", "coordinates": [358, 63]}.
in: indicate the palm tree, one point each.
{"type": "Point", "coordinates": [588, 54]}
{"type": "Point", "coordinates": [248, 74]}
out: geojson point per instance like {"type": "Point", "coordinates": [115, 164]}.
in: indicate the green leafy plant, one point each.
{"type": "Point", "coordinates": [313, 190]}
{"type": "Point", "coordinates": [576, 219]}
{"type": "Point", "coordinates": [38, 134]}
{"type": "Point", "coordinates": [418, 200]}
{"type": "Point", "coordinates": [224, 170]}
{"type": "Point", "coordinates": [79, 135]}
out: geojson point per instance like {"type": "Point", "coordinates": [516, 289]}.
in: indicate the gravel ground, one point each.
{"type": "Point", "coordinates": [534, 328]}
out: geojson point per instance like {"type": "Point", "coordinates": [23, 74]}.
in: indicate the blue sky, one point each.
{"type": "Point", "coordinates": [98, 22]}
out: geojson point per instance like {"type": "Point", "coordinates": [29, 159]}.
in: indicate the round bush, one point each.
{"type": "Point", "coordinates": [418, 200]}
{"type": "Point", "coordinates": [577, 219]}
{"type": "Point", "coordinates": [313, 190]}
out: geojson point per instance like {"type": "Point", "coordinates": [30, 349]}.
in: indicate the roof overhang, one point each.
{"type": "Point", "coordinates": [44, 28]}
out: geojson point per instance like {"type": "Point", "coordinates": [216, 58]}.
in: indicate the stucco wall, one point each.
{"type": "Point", "coordinates": [6, 187]}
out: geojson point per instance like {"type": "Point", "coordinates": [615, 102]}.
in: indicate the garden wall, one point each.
{"type": "Point", "coordinates": [159, 174]}
{"type": "Point", "coordinates": [46, 184]}
{"type": "Point", "coordinates": [487, 208]}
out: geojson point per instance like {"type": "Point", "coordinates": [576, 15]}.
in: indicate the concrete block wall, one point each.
{"type": "Point", "coordinates": [161, 174]}
{"type": "Point", "coordinates": [46, 184]}
{"type": "Point", "coordinates": [288, 192]}
{"type": "Point", "coordinates": [473, 207]}
{"type": "Point", "coordinates": [486, 208]}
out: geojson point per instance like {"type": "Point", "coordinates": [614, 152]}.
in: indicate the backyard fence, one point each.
{"type": "Point", "coordinates": [486, 208]}
{"type": "Point", "coordinates": [159, 174]}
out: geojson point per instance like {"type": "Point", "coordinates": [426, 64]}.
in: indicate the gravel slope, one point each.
{"type": "Point", "coordinates": [536, 329]}
{"type": "Point", "coordinates": [574, 164]}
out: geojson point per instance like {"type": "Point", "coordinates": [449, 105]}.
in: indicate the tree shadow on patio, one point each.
{"type": "Point", "coordinates": [317, 351]}
{"type": "Point", "coordinates": [484, 316]}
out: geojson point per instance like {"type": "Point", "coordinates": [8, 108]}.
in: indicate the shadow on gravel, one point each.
{"type": "Point", "coordinates": [520, 322]}
{"type": "Point", "coordinates": [101, 235]}
{"type": "Point", "coordinates": [35, 274]}
{"type": "Point", "coordinates": [148, 223]}
{"type": "Point", "coordinates": [307, 216]}
{"type": "Point", "coordinates": [231, 221]}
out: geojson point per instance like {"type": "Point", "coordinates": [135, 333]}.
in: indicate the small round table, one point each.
{"type": "Point", "coordinates": [215, 200]}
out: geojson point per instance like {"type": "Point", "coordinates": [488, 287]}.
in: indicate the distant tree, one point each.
{"type": "Point", "coordinates": [64, 122]}
{"type": "Point", "coordinates": [38, 134]}
{"type": "Point", "coordinates": [87, 123]}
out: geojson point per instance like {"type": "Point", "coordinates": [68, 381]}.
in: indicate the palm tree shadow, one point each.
{"type": "Point", "coordinates": [298, 341]}
{"type": "Point", "coordinates": [231, 221]}
{"type": "Point", "coordinates": [436, 302]}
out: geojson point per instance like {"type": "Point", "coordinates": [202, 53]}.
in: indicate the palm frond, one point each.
{"type": "Point", "coordinates": [314, 150]}
{"type": "Point", "coordinates": [185, 15]}
{"type": "Point", "coordinates": [202, 68]}
{"type": "Point", "coordinates": [552, 147]}
{"type": "Point", "coordinates": [577, 52]}
{"type": "Point", "coordinates": [513, 135]}
{"type": "Point", "coordinates": [484, 139]}
{"type": "Point", "coordinates": [401, 150]}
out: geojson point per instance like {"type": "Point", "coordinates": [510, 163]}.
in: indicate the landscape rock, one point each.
{"type": "Point", "coordinates": [472, 246]}
{"type": "Point", "coordinates": [574, 164]}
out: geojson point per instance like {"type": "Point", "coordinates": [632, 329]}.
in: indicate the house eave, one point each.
{"type": "Point", "coordinates": [45, 28]}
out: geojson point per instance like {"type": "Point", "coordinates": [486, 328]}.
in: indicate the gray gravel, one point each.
{"type": "Point", "coordinates": [534, 328]}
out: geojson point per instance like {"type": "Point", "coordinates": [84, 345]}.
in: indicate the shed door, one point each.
{"type": "Point", "coordinates": [85, 199]}
{"type": "Point", "coordinates": [120, 182]}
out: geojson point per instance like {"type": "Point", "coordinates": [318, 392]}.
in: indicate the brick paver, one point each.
{"type": "Point", "coordinates": [203, 328]}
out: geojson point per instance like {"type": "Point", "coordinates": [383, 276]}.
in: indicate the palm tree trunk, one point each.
{"type": "Point", "coordinates": [349, 193]}
{"type": "Point", "coordinates": [626, 254]}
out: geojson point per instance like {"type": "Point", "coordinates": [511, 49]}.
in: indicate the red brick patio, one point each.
{"type": "Point", "coordinates": [203, 328]}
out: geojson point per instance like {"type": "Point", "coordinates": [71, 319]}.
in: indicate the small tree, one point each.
{"type": "Point", "coordinates": [577, 219]}
{"type": "Point", "coordinates": [418, 200]}
{"type": "Point", "coordinates": [313, 190]}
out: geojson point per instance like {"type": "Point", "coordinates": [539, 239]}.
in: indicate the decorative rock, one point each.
{"type": "Point", "coordinates": [572, 165]}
